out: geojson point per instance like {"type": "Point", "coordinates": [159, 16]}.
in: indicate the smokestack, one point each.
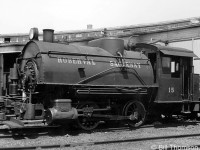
{"type": "Point", "coordinates": [48, 35]}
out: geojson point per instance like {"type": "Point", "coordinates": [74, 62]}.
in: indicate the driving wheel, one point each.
{"type": "Point", "coordinates": [87, 122]}
{"type": "Point", "coordinates": [137, 113]}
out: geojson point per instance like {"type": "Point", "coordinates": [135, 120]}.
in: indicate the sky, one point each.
{"type": "Point", "coordinates": [18, 16]}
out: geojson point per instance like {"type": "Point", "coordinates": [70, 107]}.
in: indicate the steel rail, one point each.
{"type": "Point", "coordinates": [15, 134]}
{"type": "Point", "coordinates": [100, 142]}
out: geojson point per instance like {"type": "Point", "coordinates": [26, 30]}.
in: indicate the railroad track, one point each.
{"type": "Point", "coordinates": [44, 131]}
{"type": "Point", "coordinates": [103, 142]}
{"type": "Point", "coordinates": [49, 130]}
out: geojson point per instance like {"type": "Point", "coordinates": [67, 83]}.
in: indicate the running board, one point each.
{"type": "Point", "coordinates": [116, 117]}
{"type": "Point", "coordinates": [13, 123]}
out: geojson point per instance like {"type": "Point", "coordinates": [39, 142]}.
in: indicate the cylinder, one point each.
{"type": "Point", "coordinates": [55, 115]}
{"type": "Point", "coordinates": [48, 35]}
{"type": "Point", "coordinates": [62, 105]}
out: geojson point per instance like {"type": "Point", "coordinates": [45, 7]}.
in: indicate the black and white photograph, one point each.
{"type": "Point", "coordinates": [100, 75]}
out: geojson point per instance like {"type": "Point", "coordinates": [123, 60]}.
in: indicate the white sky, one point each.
{"type": "Point", "coordinates": [18, 16]}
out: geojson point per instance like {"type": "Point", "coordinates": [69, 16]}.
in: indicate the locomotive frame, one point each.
{"type": "Point", "coordinates": [58, 83]}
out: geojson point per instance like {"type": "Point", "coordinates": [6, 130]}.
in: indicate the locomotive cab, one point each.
{"type": "Point", "coordinates": [173, 73]}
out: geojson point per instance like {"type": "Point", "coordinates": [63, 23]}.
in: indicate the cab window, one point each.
{"type": "Point", "coordinates": [166, 65]}
{"type": "Point", "coordinates": [171, 65]}
{"type": "Point", "coordinates": [175, 67]}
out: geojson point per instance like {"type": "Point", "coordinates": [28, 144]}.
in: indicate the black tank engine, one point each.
{"type": "Point", "coordinates": [59, 83]}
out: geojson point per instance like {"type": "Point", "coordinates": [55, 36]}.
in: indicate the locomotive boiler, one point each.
{"type": "Point", "coordinates": [102, 81]}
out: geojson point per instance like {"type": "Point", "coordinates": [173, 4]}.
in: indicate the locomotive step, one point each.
{"type": "Point", "coordinates": [186, 109]}
{"type": "Point", "coordinates": [186, 112]}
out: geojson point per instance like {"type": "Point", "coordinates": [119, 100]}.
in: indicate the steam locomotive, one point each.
{"type": "Point", "coordinates": [103, 81]}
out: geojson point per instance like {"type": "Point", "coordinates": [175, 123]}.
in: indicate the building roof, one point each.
{"type": "Point", "coordinates": [123, 31]}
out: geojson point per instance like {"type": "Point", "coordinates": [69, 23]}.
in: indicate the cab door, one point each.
{"type": "Point", "coordinates": [175, 79]}
{"type": "Point", "coordinates": [169, 79]}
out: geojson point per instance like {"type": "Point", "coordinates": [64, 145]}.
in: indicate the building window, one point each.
{"type": "Point", "coordinates": [6, 40]}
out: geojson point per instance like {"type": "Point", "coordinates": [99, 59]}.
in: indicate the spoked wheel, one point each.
{"type": "Point", "coordinates": [137, 113]}
{"type": "Point", "coordinates": [87, 122]}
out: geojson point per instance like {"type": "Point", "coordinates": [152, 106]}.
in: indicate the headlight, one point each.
{"type": "Point", "coordinates": [33, 34]}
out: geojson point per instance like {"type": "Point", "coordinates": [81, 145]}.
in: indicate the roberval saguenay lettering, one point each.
{"type": "Point", "coordinates": [77, 61]}
{"type": "Point", "coordinates": [125, 64]}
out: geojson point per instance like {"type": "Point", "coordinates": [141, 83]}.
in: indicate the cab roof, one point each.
{"type": "Point", "coordinates": [168, 50]}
